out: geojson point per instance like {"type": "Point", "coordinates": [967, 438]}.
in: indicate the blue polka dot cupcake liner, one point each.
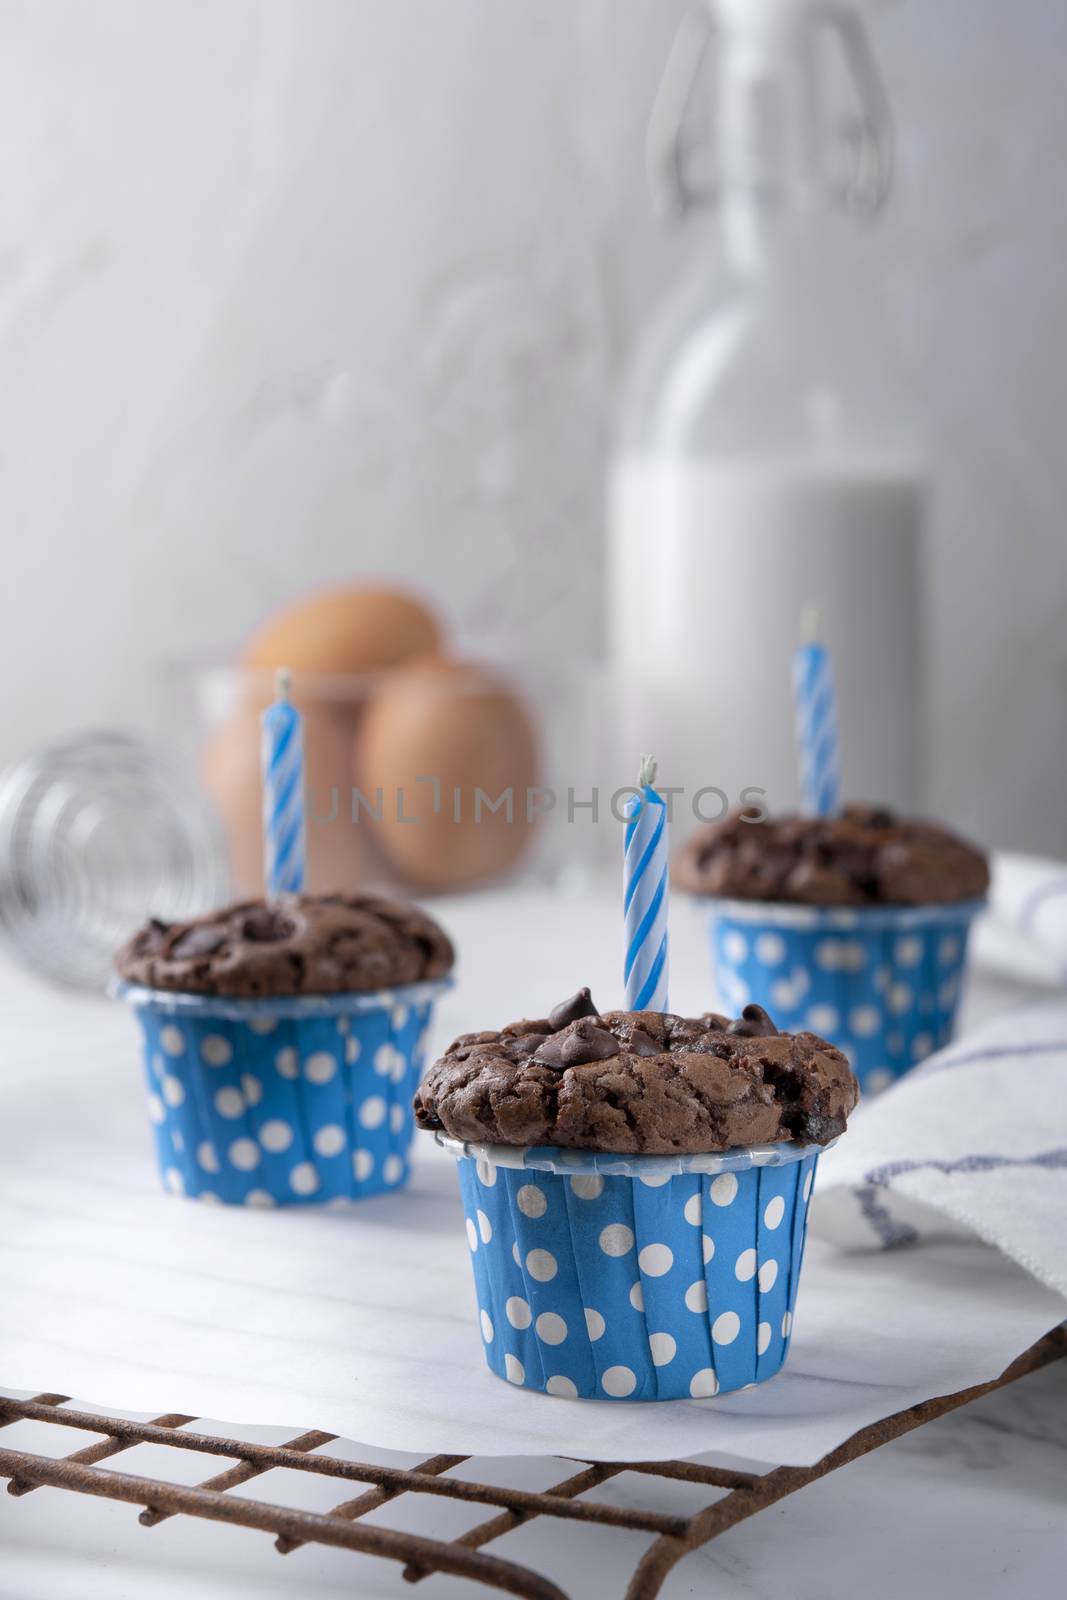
{"type": "Point", "coordinates": [606, 1277]}
{"type": "Point", "coordinates": [883, 984]}
{"type": "Point", "coordinates": [290, 1101]}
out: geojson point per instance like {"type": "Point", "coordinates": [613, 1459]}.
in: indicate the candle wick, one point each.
{"type": "Point", "coordinates": [809, 625]}
{"type": "Point", "coordinates": [283, 683]}
{"type": "Point", "coordinates": [646, 775]}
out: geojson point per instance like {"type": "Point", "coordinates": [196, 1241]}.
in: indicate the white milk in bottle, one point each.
{"type": "Point", "coordinates": [766, 463]}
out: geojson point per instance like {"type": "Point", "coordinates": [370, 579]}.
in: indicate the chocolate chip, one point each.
{"type": "Point", "coordinates": [753, 1023]}
{"type": "Point", "coordinates": [868, 816]}
{"type": "Point", "coordinates": [518, 1047]}
{"type": "Point", "coordinates": [266, 926]}
{"type": "Point", "coordinates": [588, 1043]}
{"type": "Point", "coordinates": [195, 943]}
{"type": "Point", "coordinates": [550, 1054]}
{"type": "Point", "coordinates": [579, 1005]}
{"type": "Point", "coordinates": [152, 937]}
{"type": "Point", "coordinates": [641, 1045]}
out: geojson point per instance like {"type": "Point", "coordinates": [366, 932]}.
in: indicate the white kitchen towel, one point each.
{"type": "Point", "coordinates": [973, 1143]}
{"type": "Point", "coordinates": [1024, 934]}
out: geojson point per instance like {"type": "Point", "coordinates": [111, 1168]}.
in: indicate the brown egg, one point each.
{"type": "Point", "coordinates": [339, 854]}
{"type": "Point", "coordinates": [460, 724]}
{"type": "Point", "coordinates": [351, 630]}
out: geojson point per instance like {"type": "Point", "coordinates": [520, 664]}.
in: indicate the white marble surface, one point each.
{"type": "Point", "coordinates": [299, 290]}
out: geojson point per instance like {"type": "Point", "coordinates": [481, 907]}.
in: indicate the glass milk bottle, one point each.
{"type": "Point", "coordinates": [765, 463]}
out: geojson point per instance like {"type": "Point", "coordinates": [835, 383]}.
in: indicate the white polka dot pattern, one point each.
{"type": "Point", "coordinates": [311, 1110]}
{"type": "Point", "coordinates": [372, 1112]}
{"type": "Point", "coordinates": [245, 1154]}
{"type": "Point", "coordinates": [588, 1187]}
{"type": "Point", "coordinates": [518, 1312]}
{"type": "Point", "coordinates": [320, 1067]}
{"type": "Point", "coordinates": [275, 1136]}
{"type": "Point", "coordinates": [770, 948]}
{"type": "Point", "coordinates": [745, 1266]}
{"type": "Point", "coordinates": [304, 1179]}
{"type": "Point", "coordinates": [207, 1156]}
{"type": "Point", "coordinates": [824, 1019]}
{"type": "Point", "coordinates": [696, 1296]}
{"type": "Point", "coordinates": [362, 1165]}
{"type": "Point", "coordinates": [531, 1200]}
{"type": "Point", "coordinates": [229, 1103]}
{"type": "Point", "coordinates": [884, 990]}
{"type": "Point", "coordinates": [865, 1021]}
{"type": "Point", "coordinates": [541, 1264]}
{"type": "Point", "coordinates": [662, 1348]}
{"type": "Point", "coordinates": [655, 1259]}
{"type": "Point", "coordinates": [216, 1051]}
{"type": "Point", "coordinates": [251, 1088]}
{"type": "Point", "coordinates": [675, 1290]}
{"type": "Point", "coordinates": [726, 1327]}
{"type": "Point", "coordinates": [329, 1140]}
{"type": "Point", "coordinates": [287, 1063]}
{"type": "Point", "coordinates": [594, 1324]}
{"type": "Point", "coordinates": [551, 1328]}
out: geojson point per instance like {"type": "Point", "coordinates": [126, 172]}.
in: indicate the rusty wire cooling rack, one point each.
{"type": "Point", "coordinates": [741, 1494]}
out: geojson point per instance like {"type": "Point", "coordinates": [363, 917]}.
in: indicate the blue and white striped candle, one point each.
{"type": "Point", "coordinates": [282, 748]}
{"type": "Point", "coordinates": [816, 725]}
{"type": "Point", "coordinates": [645, 884]}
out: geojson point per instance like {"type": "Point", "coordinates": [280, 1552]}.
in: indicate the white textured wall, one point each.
{"type": "Point", "coordinates": [295, 290]}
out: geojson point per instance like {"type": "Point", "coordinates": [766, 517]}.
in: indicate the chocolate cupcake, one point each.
{"type": "Point", "coordinates": [854, 925]}
{"type": "Point", "coordinates": [283, 1042]}
{"type": "Point", "coordinates": [866, 856]}
{"type": "Point", "coordinates": [636, 1187]}
{"type": "Point", "coordinates": [639, 1082]}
